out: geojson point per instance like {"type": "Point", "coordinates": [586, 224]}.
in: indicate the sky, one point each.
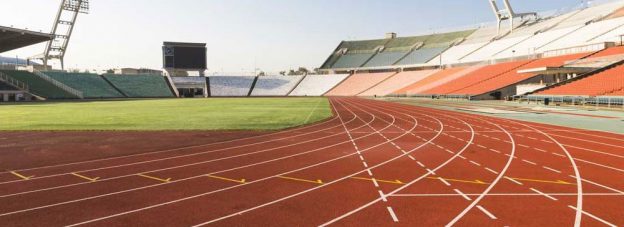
{"type": "Point", "coordinates": [243, 35]}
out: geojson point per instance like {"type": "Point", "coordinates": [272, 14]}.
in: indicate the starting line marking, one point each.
{"type": "Point", "coordinates": [456, 180]}
{"type": "Point", "coordinates": [85, 177]}
{"type": "Point", "coordinates": [21, 176]}
{"type": "Point", "coordinates": [302, 180]}
{"type": "Point", "coordinates": [241, 181]}
{"type": "Point", "coordinates": [155, 178]}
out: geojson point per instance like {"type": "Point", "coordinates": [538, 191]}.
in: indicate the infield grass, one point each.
{"type": "Point", "coordinates": [166, 114]}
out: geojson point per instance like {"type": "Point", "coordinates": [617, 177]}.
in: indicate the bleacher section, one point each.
{"type": "Point", "coordinates": [397, 81]}
{"type": "Point", "coordinates": [357, 53]}
{"type": "Point", "coordinates": [275, 85]}
{"type": "Point", "coordinates": [317, 85]}
{"type": "Point", "coordinates": [473, 42]}
{"type": "Point", "coordinates": [92, 85]}
{"type": "Point", "coordinates": [439, 78]}
{"type": "Point", "coordinates": [434, 46]}
{"type": "Point", "coordinates": [39, 86]}
{"type": "Point", "coordinates": [230, 86]}
{"type": "Point", "coordinates": [608, 82]}
{"type": "Point", "coordinates": [140, 86]}
{"type": "Point", "coordinates": [358, 83]}
{"type": "Point", "coordinates": [584, 34]}
{"type": "Point", "coordinates": [6, 87]}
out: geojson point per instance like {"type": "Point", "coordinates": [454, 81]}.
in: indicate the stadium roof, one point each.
{"type": "Point", "coordinates": [13, 38]}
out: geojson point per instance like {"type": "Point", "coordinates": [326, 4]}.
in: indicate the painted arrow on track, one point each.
{"type": "Point", "coordinates": [460, 181]}
{"type": "Point", "coordinates": [544, 181]}
{"type": "Point", "coordinates": [21, 176]}
{"type": "Point", "coordinates": [241, 181]}
{"type": "Point", "coordinates": [85, 177]}
{"type": "Point", "coordinates": [381, 181]}
{"type": "Point", "coordinates": [302, 180]}
{"type": "Point", "coordinates": [156, 178]}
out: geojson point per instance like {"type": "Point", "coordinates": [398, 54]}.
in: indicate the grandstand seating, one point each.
{"type": "Point", "coordinates": [422, 55]}
{"type": "Point", "coordinates": [358, 52]}
{"type": "Point", "coordinates": [352, 60]}
{"type": "Point", "coordinates": [473, 42]}
{"type": "Point", "coordinates": [358, 83]}
{"type": "Point", "coordinates": [317, 85]}
{"type": "Point", "coordinates": [585, 15]}
{"type": "Point", "coordinates": [396, 82]}
{"type": "Point", "coordinates": [480, 75]}
{"type": "Point", "coordinates": [584, 34]}
{"type": "Point", "coordinates": [39, 86]}
{"type": "Point", "coordinates": [531, 45]}
{"type": "Point", "coordinates": [386, 58]}
{"type": "Point", "coordinates": [608, 82]}
{"type": "Point", "coordinates": [436, 79]}
{"type": "Point", "coordinates": [140, 86]}
{"type": "Point", "coordinates": [6, 87]}
{"type": "Point", "coordinates": [618, 50]}
{"type": "Point", "coordinates": [92, 85]}
{"type": "Point", "coordinates": [434, 46]}
{"type": "Point", "coordinates": [513, 77]}
{"type": "Point", "coordinates": [275, 85]}
{"type": "Point", "coordinates": [230, 86]}
{"type": "Point", "coordinates": [486, 52]}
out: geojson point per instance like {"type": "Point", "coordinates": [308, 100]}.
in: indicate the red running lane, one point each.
{"type": "Point", "coordinates": [384, 164]}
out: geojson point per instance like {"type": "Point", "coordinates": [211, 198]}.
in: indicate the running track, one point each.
{"type": "Point", "coordinates": [373, 164]}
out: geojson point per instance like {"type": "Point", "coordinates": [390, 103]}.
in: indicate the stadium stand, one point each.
{"type": "Point", "coordinates": [353, 54]}
{"type": "Point", "coordinates": [231, 86]}
{"type": "Point", "coordinates": [439, 78]}
{"type": "Point", "coordinates": [511, 78]}
{"type": "Point", "coordinates": [40, 86]}
{"type": "Point", "coordinates": [6, 87]}
{"type": "Point", "coordinates": [275, 85]}
{"type": "Point", "coordinates": [472, 43]}
{"type": "Point", "coordinates": [317, 85]}
{"type": "Point", "coordinates": [140, 86]}
{"type": "Point", "coordinates": [606, 82]}
{"type": "Point", "coordinates": [434, 46]}
{"type": "Point", "coordinates": [397, 81]}
{"type": "Point", "coordinates": [582, 35]}
{"type": "Point", "coordinates": [480, 75]}
{"type": "Point", "coordinates": [594, 13]}
{"type": "Point", "coordinates": [358, 83]}
{"type": "Point", "coordinates": [396, 49]}
{"type": "Point", "coordinates": [92, 85]}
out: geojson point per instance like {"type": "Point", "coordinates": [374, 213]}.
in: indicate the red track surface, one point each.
{"type": "Point", "coordinates": [374, 164]}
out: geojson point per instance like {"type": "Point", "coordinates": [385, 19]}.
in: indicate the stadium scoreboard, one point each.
{"type": "Point", "coordinates": [184, 56]}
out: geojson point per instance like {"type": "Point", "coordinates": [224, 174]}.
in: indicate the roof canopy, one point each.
{"type": "Point", "coordinates": [12, 38]}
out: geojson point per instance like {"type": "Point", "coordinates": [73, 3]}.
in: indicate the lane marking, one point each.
{"type": "Point", "coordinates": [383, 197]}
{"type": "Point", "coordinates": [302, 180]}
{"type": "Point", "coordinates": [491, 170]}
{"type": "Point", "coordinates": [475, 163]}
{"type": "Point", "coordinates": [551, 169]}
{"type": "Point", "coordinates": [486, 212]}
{"type": "Point", "coordinates": [544, 194]}
{"type": "Point", "coordinates": [457, 180]}
{"type": "Point", "coordinates": [393, 215]}
{"type": "Point", "coordinates": [530, 162]}
{"type": "Point", "coordinates": [85, 177]}
{"type": "Point", "coordinates": [543, 181]}
{"type": "Point", "coordinates": [377, 180]}
{"type": "Point", "coordinates": [508, 194]}
{"type": "Point", "coordinates": [241, 181]}
{"type": "Point", "coordinates": [462, 194]}
{"type": "Point", "coordinates": [593, 216]}
{"type": "Point", "coordinates": [21, 176]}
{"type": "Point", "coordinates": [155, 178]}
{"type": "Point", "coordinates": [515, 181]}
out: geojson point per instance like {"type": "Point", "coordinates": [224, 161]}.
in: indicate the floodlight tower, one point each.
{"type": "Point", "coordinates": [62, 30]}
{"type": "Point", "coordinates": [507, 14]}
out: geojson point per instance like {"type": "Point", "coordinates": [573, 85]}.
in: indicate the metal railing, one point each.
{"type": "Point", "coordinates": [583, 101]}
{"type": "Point", "coordinates": [58, 84]}
{"type": "Point", "coordinates": [13, 82]}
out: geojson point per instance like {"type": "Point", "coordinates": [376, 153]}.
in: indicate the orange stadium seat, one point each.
{"type": "Point", "coordinates": [604, 83]}
{"type": "Point", "coordinates": [358, 83]}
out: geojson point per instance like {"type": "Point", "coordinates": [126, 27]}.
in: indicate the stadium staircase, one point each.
{"type": "Point", "coordinates": [296, 85]}
{"type": "Point", "coordinates": [58, 84]}
{"type": "Point", "coordinates": [92, 86]}
{"type": "Point", "coordinates": [13, 82]}
{"type": "Point", "coordinates": [172, 86]}
{"type": "Point", "coordinates": [208, 87]}
{"type": "Point", "coordinates": [113, 86]}
{"type": "Point", "coordinates": [43, 86]}
{"type": "Point", "coordinates": [253, 85]}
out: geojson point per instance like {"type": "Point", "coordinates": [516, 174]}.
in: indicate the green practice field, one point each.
{"type": "Point", "coordinates": [166, 114]}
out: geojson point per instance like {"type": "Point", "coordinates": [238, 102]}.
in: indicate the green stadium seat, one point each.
{"type": "Point", "coordinates": [92, 85]}
{"type": "Point", "coordinates": [141, 86]}
{"type": "Point", "coordinates": [39, 86]}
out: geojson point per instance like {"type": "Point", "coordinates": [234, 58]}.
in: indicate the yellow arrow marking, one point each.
{"type": "Point", "coordinates": [241, 181]}
{"type": "Point", "coordinates": [460, 181]}
{"type": "Point", "coordinates": [302, 180]}
{"type": "Point", "coordinates": [382, 181]}
{"type": "Point", "coordinates": [544, 181]}
{"type": "Point", "coordinates": [156, 178]}
{"type": "Point", "coordinates": [85, 177]}
{"type": "Point", "coordinates": [21, 176]}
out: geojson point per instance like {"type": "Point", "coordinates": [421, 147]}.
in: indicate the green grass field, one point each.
{"type": "Point", "coordinates": [166, 114]}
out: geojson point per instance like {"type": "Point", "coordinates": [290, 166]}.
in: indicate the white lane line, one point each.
{"type": "Point", "coordinates": [594, 217]}
{"type": "Point", "coordinates": [544, 194]}
{"type": "Point", "coordinates": [491, 170]}
{"type": "Point", "coordinates": [481, 146]}
{"type": "Point", "coordinates": [515, 181]}
{"type": "Point", "coordinates": [462, 194]}
{"type": "Point", "coordinates": [431, 172]}
{"type": "Point", "coordinates": [420, 164]}
{"type": "Point", "coordinates": [560, 155]}
{"type": "Point", "coordinates": [525, 146]}
{"type": "Point", "coordinates": [494, 150]}
{"type": "Point", "coordinates": [411, 157]}
{"type": "Point", "coordinates": [539, 149]}
{"type": "Point", "coordinates": [369, 172]}
{"type": "Point", "coordinates": [551, 169]}
{"type": "Point", "coordinates": [393, 215]}
{"type": "Point", "coordinates": [530, 162]}
{"type": "Point", "coordinates": [462, 157]}
{"type": "Point", "coordinates": [486, 212]}
{"type": "Point", "coordinates": [475, 163]}
{"type": "Point", "coordinates": [444, 181]}
{"type": "Point", "coordinates": [507, 194]}
{"type": "Point", "coordinates": [365, 164]}
{"type": "Point", "coordinates": [383, 197]}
